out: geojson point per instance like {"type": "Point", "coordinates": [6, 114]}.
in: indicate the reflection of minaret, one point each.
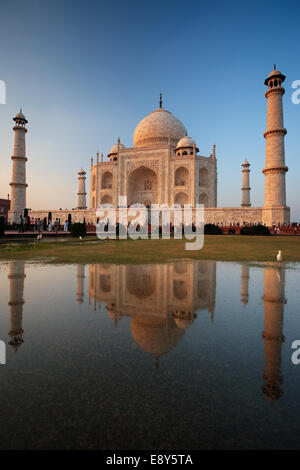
{"type": "Point", "coordinates": [80, 283]}
{"type": "Point", "coordinates": [212, 290]}
{"type": "Point", "coordinates": [16, 277]}
{"type": "Point", "coordinates": [245, 284]}
{"type": "Point", "coordinates": [274, 301]}
{"type": "Point", "coordinates": [205, 286]}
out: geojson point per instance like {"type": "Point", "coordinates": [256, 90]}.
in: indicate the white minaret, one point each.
{"type": "Point", "coordinates": [275, 209]}
{"type": "Point", "coordinates": [246, 184]}
{"type": "Point", "coordinates": [18, 183]}
{"type": "Point", "coordinates": [214, 202]}
{"type": "Point", "coordinates": [81, 204]}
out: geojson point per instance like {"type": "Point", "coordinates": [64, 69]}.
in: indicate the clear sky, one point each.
{"type": "Point", "coordinates": [85, 73]}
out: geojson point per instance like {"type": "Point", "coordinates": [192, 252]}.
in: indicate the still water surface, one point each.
{"type": "Point", "coordinates": [175, 356]}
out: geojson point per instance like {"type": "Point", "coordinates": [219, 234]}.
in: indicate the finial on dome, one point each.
{"type": "Point", "coordinates": [274, 66]}
{"type": "Point", "coordinates": [160, 100]}
{"type": "Point", "coordinates": [119, 140]}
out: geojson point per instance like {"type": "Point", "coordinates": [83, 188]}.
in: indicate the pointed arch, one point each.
{"type": "Point", "coordinates": [181, 176]}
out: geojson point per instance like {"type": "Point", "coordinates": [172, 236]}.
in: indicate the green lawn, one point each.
{"type": "Point", "coordinates": [223, 248]}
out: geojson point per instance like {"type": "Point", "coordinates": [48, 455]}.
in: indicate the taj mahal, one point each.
{"type": "Point", "coordinates": [164, 167]}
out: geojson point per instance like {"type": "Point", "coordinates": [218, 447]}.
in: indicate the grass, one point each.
{"type": "Point", "coordinates": [222, 248]}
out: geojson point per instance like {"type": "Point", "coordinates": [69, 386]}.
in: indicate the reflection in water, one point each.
{"type": "Point", "coordinates": [16, 280]}
{"type": "Point", "coordinates": [161, 301]}
{"type": "Point", "coordinates": [273, 299]}
{"type": "Point", "coordinates": [245, 284]}
{"type": "Point", "coordinates": [80, 282]}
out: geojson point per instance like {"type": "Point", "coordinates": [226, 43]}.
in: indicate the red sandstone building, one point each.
{"type": "Point", "coordinates": [4, 208]}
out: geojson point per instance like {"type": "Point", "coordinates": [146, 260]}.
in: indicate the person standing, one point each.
{"type": "Point", "coordinates": [56, 225]}
{"type": "Point", "coordinates": [21, 227]}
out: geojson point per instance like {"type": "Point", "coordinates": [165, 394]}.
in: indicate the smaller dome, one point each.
{"type": "Point", "coordinates": [20, 115]}
{"type": "Point", "coordinates": [185, 142]}
{"type": "Point", "coordinates": [274, 72]}
{"type": "Point", "coordinates": [246, 163]}
{"type": "Point", "coordinates": [81, 172]}
{"type": "Point", "coordinates": [115, 148]}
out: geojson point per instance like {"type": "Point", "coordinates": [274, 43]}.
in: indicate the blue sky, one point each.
{"type": "Point", "coordinates": [86, 73]}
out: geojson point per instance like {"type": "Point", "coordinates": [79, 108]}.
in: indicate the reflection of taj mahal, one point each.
{"type": "Point", "coordinates": [161, 302]}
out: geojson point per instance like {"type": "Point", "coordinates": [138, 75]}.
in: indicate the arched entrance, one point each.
{"type": "Point", "coordinates": [181, 198]}
{"type": "Point", "coordinates": [181, 176]}
{"type": "Point", "coordinates": [203, 177]}
{"type": "Point", "coordinates": [203, 199]}
{"type": "Point", "coordinates": [107, 180]}
{"type": "Point", "coordinates": [142, 187]}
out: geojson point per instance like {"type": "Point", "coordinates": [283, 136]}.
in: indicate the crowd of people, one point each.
{"type": "Point", "coordinates": [27, 224]}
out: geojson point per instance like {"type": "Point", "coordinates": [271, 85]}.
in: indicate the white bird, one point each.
{"type": "Point", "coordinates": [279, 256]}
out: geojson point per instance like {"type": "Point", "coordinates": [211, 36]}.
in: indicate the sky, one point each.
{"type": "Point", "coordinates": [86, 73]}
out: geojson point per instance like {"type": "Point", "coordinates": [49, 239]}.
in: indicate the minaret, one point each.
{"type": "Point", "coordinates": [244, 284]}
{"type": "Point", "coordinates": [18, 183]}
{"type": "Point", "coordinates": [80, 283]}
{"type": "Point", "coordinates": [214, 202]}
{"type": "Point", "coordinates": [275, 209]}
{"type": "Point", "coordinates": [81, 204]}
{"type": "Point", "coordinates": [273, 299]}
{"type": "Point", "coordinates": [246, 184]}
{"type": "Point", "coordinates": [16, 278]}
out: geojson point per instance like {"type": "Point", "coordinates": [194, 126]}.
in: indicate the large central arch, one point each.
{"type": "Point", "coordinates": [142, 186]}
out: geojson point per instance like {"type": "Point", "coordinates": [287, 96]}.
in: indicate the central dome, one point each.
{"type": "Point", "coordinates": [155, 129]}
